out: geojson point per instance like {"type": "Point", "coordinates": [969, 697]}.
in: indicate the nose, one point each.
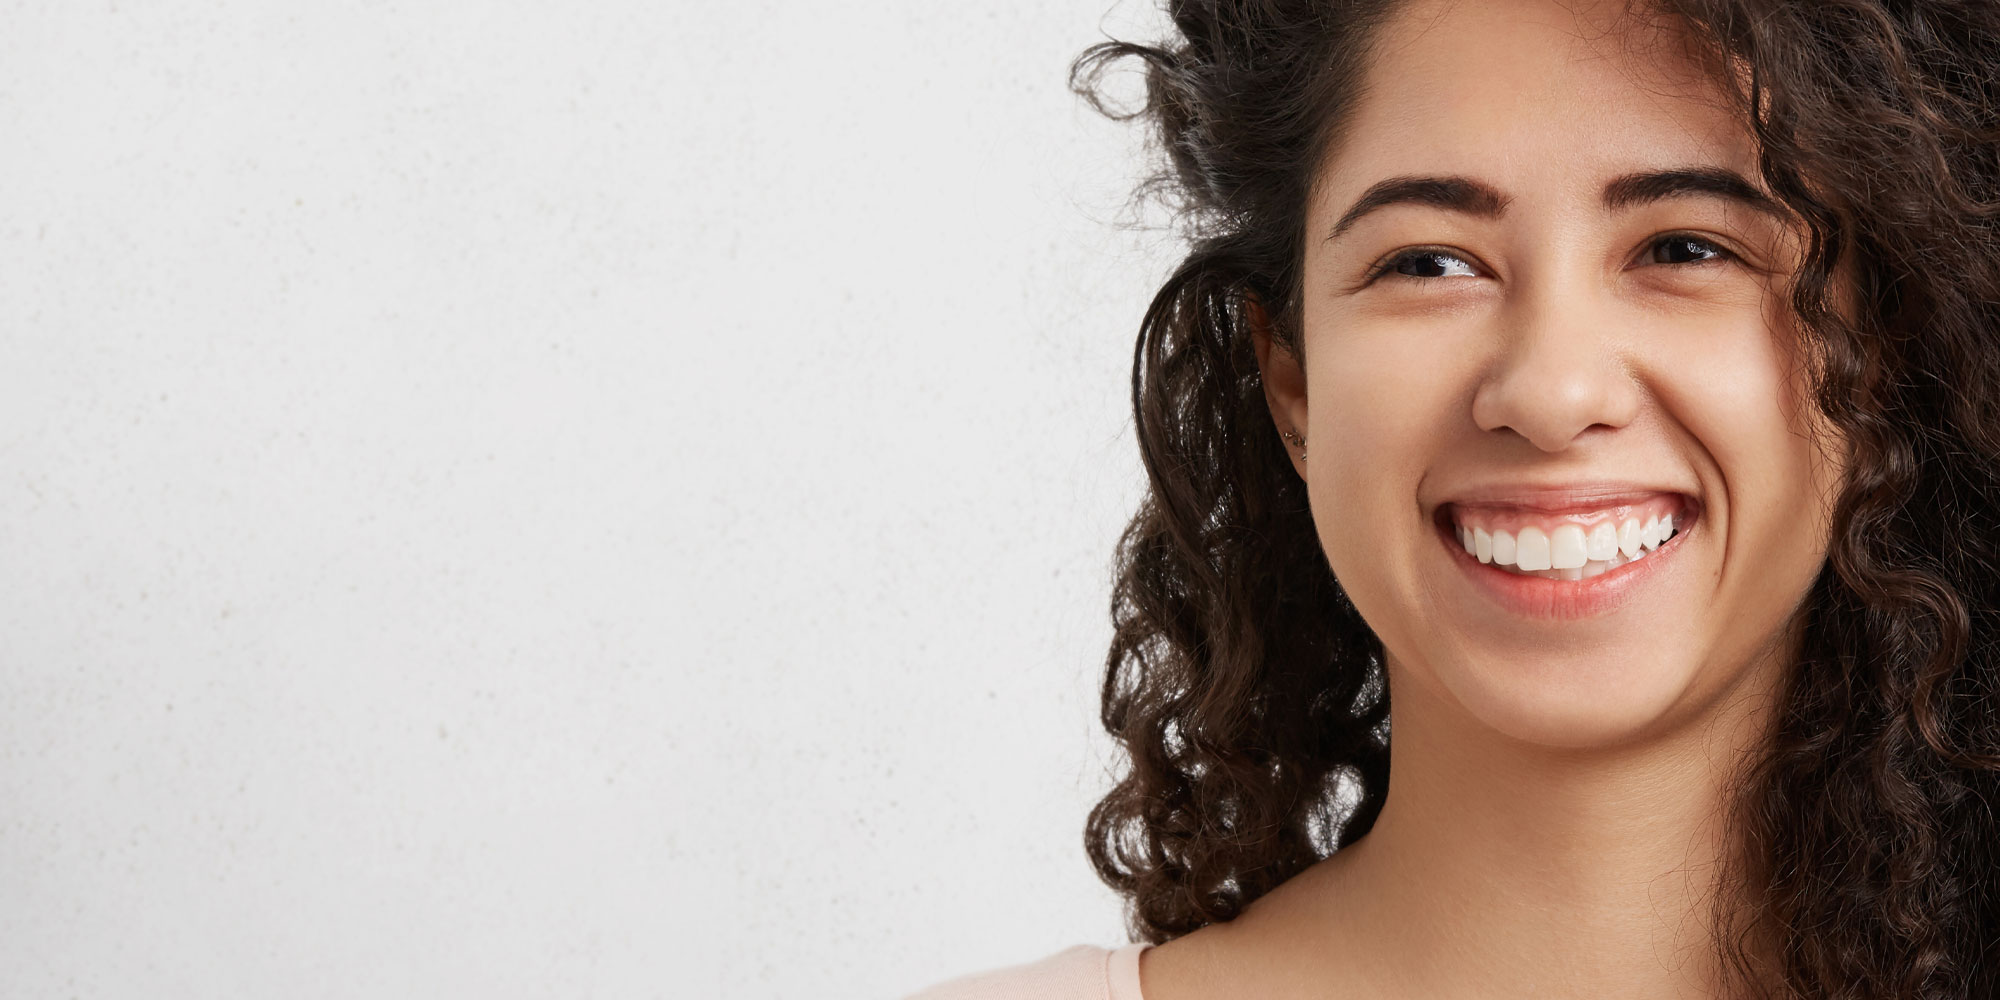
{"type": "Point", "coordinates": [1556, 373]}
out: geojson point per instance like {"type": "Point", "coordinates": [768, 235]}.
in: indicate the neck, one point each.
{"type": "Point", "coordinates": [1502, 868]}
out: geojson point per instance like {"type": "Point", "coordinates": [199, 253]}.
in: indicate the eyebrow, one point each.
{"type": "Point", "coordinates": [1476, 198]}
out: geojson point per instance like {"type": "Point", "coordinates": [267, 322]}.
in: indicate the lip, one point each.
{"type": "Point", "coordinates": [1563, 499]}
{"type": "Point", "coordinates": [1567, 600]}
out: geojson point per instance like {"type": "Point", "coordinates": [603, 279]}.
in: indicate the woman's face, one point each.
{"type": "Point", "coordinates": [1544, 299]}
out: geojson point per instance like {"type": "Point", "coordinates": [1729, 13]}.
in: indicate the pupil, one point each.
{"type": "Point", "coordinates": [1423, 265]}
{"type": "Point", "coordinates": [1683, 250]}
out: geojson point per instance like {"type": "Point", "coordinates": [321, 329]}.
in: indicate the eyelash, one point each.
{"type": "Point", "coordinates": [1388, 267]}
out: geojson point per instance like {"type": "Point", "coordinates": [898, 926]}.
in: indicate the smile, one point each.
{"type": "Point", "coordinates": [1572, 547]}
{"type": "Point", "coordinates": [1569, 565]}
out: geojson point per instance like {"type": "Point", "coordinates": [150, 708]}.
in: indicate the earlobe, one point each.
{"type": "Point", "coordinates": [1283, 375]}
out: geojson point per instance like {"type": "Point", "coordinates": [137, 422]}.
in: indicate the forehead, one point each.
{"type": "Point", "coordinates": [1535, 97]}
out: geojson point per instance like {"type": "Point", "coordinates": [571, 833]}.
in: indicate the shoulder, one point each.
{"type": "Point", "coordinates": [1083, 972]}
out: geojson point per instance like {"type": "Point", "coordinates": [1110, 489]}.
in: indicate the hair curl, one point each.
{"type": "Point", "coordinates": [1249, 694]}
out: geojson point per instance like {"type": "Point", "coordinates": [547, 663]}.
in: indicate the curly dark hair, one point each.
{"type": "Point", "coordinates": [1248, 693]}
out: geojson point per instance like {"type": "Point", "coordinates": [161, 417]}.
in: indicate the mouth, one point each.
{"type": "Point", "coordinates": [1568, 564]}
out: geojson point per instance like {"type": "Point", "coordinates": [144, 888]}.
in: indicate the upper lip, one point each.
{"type": "Point", "coordinates": [1559, 498]}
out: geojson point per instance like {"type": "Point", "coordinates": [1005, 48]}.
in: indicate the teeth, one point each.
{"type": "Point", "coordinates": [1603, 542]}
{"type": "Point", "coordinates": [1531, 549]}
{"type": "Point", "coordinates": [1568, 552]}
{"type": "Point", "coordinates": [1566, 548]}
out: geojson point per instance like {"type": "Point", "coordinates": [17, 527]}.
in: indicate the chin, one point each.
{"type": "Point", "coordinates": [1593, 698]}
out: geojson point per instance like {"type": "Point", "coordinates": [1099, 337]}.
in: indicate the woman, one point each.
{"type": "Point", "coordinates": [1613, 390]}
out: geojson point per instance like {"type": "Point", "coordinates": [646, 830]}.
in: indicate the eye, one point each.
{"type": "Point", "coordinates": [1423, 263]}
{"type": "Point", "coordinates": [1685, 248]}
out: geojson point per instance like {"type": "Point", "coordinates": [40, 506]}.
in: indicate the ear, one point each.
{"type": "Point", "coordinates": [1284, 377]}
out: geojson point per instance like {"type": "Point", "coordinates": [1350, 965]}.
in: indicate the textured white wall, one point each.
{"type": "Point", "coordinates": [548, 499]}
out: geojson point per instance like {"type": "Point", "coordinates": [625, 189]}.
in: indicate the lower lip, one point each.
{"type": "Point", "coordinates": [1563, 600]}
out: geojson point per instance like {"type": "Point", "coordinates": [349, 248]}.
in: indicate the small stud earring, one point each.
{"type": "Point", "coordinates": [1297, 440]}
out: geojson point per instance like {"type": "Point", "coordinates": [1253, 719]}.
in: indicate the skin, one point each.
{"type": "Point", "coordinates": [1553, 816]}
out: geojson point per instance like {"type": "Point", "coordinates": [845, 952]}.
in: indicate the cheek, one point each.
{"type": "Point", "coordinates": [1379, 411]}
{"type": "Point", "coordinates": [1741, 395]}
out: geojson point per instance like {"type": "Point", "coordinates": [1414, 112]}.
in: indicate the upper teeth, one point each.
{"type": "Point", "coordinates": [1568, 546]}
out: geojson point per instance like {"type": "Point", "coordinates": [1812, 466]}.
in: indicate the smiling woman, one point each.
{"type": "Point", "coordinates": [1613, 389]}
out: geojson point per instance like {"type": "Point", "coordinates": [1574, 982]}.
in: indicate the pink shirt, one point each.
{"type": "Point", "coordinates": [1083, 972]}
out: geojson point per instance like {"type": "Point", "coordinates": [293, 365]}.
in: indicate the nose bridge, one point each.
{"type": "Point", "coordinates": [1556, 368]}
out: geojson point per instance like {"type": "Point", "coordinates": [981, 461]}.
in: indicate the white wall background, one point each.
{"type": "Point", "coordinates": [547, 499]}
